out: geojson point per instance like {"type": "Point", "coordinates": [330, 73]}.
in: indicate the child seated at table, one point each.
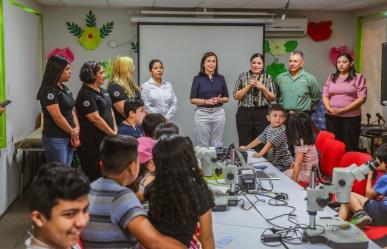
{"type": "Point", "coordinates": [147, 167]}
{"type": "Point", "coordinates": [179, 197]}
{"type": "Point", "coordinates": [300, 135]}
{"type": "Point", "coordinates": [135, 112]}
{"type": "Point", "coordinates": [274, 138]}
{"type": "Point", "coordinates": [372, 208]}
{"type": "Point", "coordinates": [150, 122]}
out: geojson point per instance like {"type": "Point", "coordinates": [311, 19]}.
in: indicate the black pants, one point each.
{"type": "Point", "coordinates": [89, 156]}
{"type": "Point", "coordinates": [346, 129]}
{"type": "Point", "coordinates": [250, 123]}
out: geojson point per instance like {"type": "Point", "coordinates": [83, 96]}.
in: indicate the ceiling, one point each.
{"type": "Point", "coordinates": [333, 5]}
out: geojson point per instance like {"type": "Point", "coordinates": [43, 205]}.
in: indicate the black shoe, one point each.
{"type": "Point", "coordinates": [361, 218]}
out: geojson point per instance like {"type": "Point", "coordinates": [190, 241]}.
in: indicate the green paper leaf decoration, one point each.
{"type": "Point", "coordinates": [135, 46]}
{"type": "Point", "coordinates": [74, 29]}
{"type": "Point", "coordinates": [275, 69]}
{"type": "Point", "coordinates": [291, 45]}
{"type": "Point", "coordinates": [106, 29]}
{"type": "Point", "coordinates": [90, 19]}
{"type": "Point", "coordinates": [108, 67]}
{"type": "Point", "coordinates": [266, 46]}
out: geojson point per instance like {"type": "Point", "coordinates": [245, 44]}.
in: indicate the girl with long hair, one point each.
{"type": "Point", "coordinates": [179, 197]}
{"type": "Point", "coordinates": [300, 136]}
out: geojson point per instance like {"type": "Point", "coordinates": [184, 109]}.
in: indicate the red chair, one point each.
{"type": "Point", "coordinates": [358, 158]}
{"type": "Point", "coordinates": [322, 137]}
{"type": "Point", "coordinates": [331, 155]}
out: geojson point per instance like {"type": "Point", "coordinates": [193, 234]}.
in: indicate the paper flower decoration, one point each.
{"type": "Point", "coordinates": [63, 52]}
{"type": "Point", "coordinates": [320, 31]}
{"type": "Point", "coordinates": [90, 36]}
{"type": "Point", "coordinates": [279, 47]}
{"type": "Point", "coordinates": [335, 52]}
{"type": "Point", "coordinates": [275, 69]}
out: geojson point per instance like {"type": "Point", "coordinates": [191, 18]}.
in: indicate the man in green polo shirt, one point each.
{"type": "Point", "coordinates": [298, 90]}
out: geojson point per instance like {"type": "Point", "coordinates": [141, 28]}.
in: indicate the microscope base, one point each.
{"type": "Point", "coordinates": [337, 234]}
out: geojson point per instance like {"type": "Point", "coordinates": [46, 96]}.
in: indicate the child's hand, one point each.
{"type": "Point", "coordinates": [257, 155]}
{"type": "Point", "coordinates": [243, 148]}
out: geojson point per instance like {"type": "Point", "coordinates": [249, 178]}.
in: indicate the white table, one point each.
{"type": "Point", "coordinates": [247, 226]}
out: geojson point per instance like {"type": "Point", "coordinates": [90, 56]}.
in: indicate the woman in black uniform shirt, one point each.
{"type": "Point", "coordinates": [60, 121]}
{"type": "Point", "coordinates": [121, 86]}
{"type": "Point", "coordinates": [96, 117]}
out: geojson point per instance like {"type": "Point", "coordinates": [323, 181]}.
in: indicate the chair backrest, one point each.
{"type": "Point", "coordinates": [331, 154]}
{"type": "Point", "coordinates": [322, 137]}
{"type": "Point", "coordinates": [358, 158]}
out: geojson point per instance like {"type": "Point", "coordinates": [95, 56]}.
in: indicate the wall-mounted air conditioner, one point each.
{"type": "Point", "coordinates": [287, 28]}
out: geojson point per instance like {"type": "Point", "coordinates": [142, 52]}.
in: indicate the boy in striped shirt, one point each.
{"type": "Point", "coordinates": [274, 137]}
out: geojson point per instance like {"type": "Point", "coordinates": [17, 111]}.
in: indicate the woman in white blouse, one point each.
{"type": "Point", "coordinates": [158, 94]}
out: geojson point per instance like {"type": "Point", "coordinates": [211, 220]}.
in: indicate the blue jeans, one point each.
{"type": "Point", "coordinates": [57, 149]}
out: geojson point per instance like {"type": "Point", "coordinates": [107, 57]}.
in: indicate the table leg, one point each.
{"type": "Point", "coordinates": [22, 174]}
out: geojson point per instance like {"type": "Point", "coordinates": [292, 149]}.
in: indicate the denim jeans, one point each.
{"type": "Point", "coordinates": [57, 149]}
{"type": "Point", "coordinates": [209, 127]}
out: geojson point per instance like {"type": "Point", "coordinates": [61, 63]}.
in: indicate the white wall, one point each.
{"type": "Point", "coordinates": [57, 35]}
{"type": "Point", "coordinates": [317, 53]}
{"type": "Point", "coordinates": [23, 74]}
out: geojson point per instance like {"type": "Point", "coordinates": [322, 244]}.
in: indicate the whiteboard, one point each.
{"type": "Point", "coordinates": [181, 46]}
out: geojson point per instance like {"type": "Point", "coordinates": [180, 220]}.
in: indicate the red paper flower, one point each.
{"type": "Point", "coordinates": [320, 31]}
{"type": "Point", "coordinates": [335, 52]}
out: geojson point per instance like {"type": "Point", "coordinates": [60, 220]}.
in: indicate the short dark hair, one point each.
{"type": "Point", "coordinates": [257, 55]}
{"type": "Point", "coordinates": [117, 152]}
{"type": "Point", "coordinates": [154, 61]}
{"type": "Point", "coordinates": [150, 122]}
{"type": "Point", "coordinates": [381, 153]}
{"type": "Point", "coordinates": [165, 129]}
{"type": "Point", "coordinates": [55, 182]}
{"type": "Point", "coordinates": [275, 107]}
{"type": "Point", "coordinates": [131, 105]}
{"type": "Point", "coordinates": [88, 72]}
{"type": "Point", "coordinates": [205, 56]}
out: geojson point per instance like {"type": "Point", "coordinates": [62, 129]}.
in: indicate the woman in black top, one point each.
{"type": "Point", "coordinates": [121, 86]}
{"type": "Point", "coordinates": [61, 128]}
{"type": "Point", "coordinates": [179, 197]}
{"type": "Point", "coordinates": [96, 117]}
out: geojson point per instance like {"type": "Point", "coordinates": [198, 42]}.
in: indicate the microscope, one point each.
{"type": "Point", "coordinates": [235, 177]}
{"type": "Point", "coordinates": [332, 230]}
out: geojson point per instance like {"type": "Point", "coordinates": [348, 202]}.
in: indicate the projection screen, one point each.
{"type": "Point", "coordinates": [181, 46]}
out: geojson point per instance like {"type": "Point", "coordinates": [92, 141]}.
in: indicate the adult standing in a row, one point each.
{"type": "Point", "coordinates": [298, 90]}
{"type": "Point", "coordinates": [344, 93]}
{"type": "Point", "coordinates": [254, 90]}
{"type": "Point", "coordinates": [158, 94]}
{"type": "Point", "coordinates": [209, 93]}
{"type": "Point", "coordinates": [96, 117]}
{"type": "Point", "coordinates": [60, 121]}
{"type": "Point", "coordinates": [121, 86]}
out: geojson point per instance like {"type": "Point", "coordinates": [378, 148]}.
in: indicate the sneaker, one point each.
{"type": "Point", "coordinates": [361, 219]}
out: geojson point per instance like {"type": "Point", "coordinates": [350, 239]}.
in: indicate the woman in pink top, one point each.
{"type": "Point", "coordinates": [344, 93]}
{"type": "Point", "coordinates": [300, 135]}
